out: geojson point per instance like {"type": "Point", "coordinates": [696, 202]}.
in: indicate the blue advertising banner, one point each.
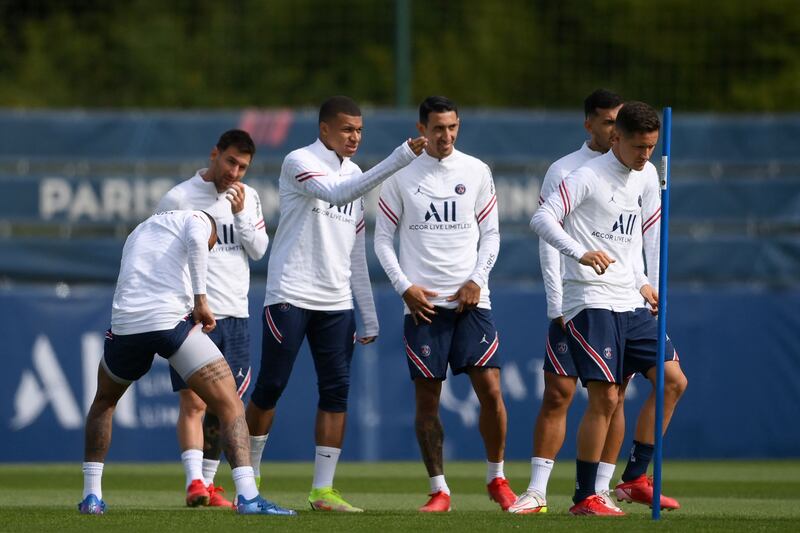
{"type": "Point", "coordinates": [738, 348]}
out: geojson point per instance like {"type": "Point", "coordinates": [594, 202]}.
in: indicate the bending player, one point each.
{"type": "Point", "coordinates": [317, 267]}
{"type": "Point", "coordinates": [162, 283]}
{"type": "Point", "coordinates": [444, 207]}
{"type": "Point", "coordinates": [602, 206]}
{"type": "Point", "coordinates": [243, 237]}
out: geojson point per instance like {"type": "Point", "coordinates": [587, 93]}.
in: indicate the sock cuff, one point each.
{"type": "Point", "coordinates": [192, 454]}
{"type": "Point", "coordinates": [541, 461]}
{"type": "Point", "coordinates": [328, 449]}
{"type": "Point", "coordinates": [644, 445]}
{"type": "Point", "coordinates": [89, 466]}
{"type": "Point", "coordinates": [210, 462]}
{"type": "Point", "coordinates": [259, 438]}
{"type": "Point", "coordinates": [241, 472]}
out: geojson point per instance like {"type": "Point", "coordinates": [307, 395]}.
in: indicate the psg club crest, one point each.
{"type": "Point", "coordinates": [460, 188]}
{"type": "Point", "coordinates": [283, 307]}
{"type": "Point", "coordinates": [561, 347]}
{"type": "Point", "coordinates": [607, 353]}
{"type": "Point", "coordinates": [425, 350]}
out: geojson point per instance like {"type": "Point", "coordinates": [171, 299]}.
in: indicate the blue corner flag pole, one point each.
{"type": "Point", "coordinates": [662, 310]}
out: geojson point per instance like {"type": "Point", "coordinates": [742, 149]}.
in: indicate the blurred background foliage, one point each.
{"type": "Point", "coordinates": [712, 55]}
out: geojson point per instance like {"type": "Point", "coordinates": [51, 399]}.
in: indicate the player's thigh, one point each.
{"type": "Point", "coordinates": [475, 341]}
{"type": "Point", "coordinates": [641, 343]}
{"type": "Point", "coordinates": [284, 328]}
{"type": "Point", "coordinates": [557, 353]}
{"type": "Point", "coordinates": [427, 346]}
{"type": "Point", "coordinates": [597, 346]}
{"type": "Point", "coordinates": [189, 352]}
{"type": "Point", "coordinates": [331, 338]}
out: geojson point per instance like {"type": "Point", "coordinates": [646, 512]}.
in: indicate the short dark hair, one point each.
{"type": "Point", "coordinates": [435, 104]}
{"type": "Point", "coordinates": [239, 139]}
{"type": "Point", "coordinates": [637, 117]}
{"type": "Point", "coordinates": [601, 99]}
{"type": "Point", "coordinates": [338, 104]}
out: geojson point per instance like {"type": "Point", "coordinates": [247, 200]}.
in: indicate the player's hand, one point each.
{"type": "Point", "coordinates": [235, 195]}
{"type": "Point", "coordinates": [560, 322]}
{"type": "Point", "coordinates": [201, 314]}
{"type": "Point", "coordinates": [416, 298]}
{"type": "Point", "coordinates": [651, 297]}
{"type": "Point", "coordinates": [417, 145]}
{"type": "Point", "coordinates": [367, 340]}
{"type": "Point", "coordinates": [467, 296]}
{"type": "Point", "coordinates": [598, 260]}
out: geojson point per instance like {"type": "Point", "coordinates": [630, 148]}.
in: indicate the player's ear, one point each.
{"type": "Point", "coordinates": [421, 128]}
{"type": "Point", "coordinates": [214, 153]}
{"type": "Point", "coordinates": [324, 129]}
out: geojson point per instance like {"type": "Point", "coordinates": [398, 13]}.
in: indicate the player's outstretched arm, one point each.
{"type": "Point", "coordinates": [314, 182]}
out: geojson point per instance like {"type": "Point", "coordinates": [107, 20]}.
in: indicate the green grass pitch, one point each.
{"type": "Point", "coordinates": [715, 496]}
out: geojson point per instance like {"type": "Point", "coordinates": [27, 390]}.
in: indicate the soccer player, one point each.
{"type": "Point", "coordinates": [445, 209]}
{"type": "Point", "coordinates": [160, 306]}
{"type": "Point", "coordinates": [560, 377]}
{"type": "Point", "coordinates": [317, 267]}
{"type": "Point", "coordinates": [241, 235]}
{"type": "Point", "coordinates": [612, 333]}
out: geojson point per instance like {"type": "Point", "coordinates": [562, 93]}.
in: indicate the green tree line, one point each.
{"type": "Point", "coordinates": [714, 55]}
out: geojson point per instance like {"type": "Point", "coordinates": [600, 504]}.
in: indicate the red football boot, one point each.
{"type": "Point", "coordinates": [640, 490]}
{"type": "Point", "coordinates": [501, 492]}
{"type": "Point", "coordinates": [596, 506]}
{"type": "Point", "coordinates": [438, 503]}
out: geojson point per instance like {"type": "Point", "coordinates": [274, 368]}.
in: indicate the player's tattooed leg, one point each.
{"type": "Point", "coordinates": [236, 442]}
{"type": "Point", "coordinates": [430, 436]}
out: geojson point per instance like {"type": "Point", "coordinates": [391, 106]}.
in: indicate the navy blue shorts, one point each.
{"type": "Point", "coordinates": [128, 357]}
{"type": "Point", "coordinates": [558, 356]}
{"type": "Point", "coordinates": [610, 346]}
{"type": "Point", "coordinates": [232, 337]}
{"type": "Point", "coordinates": [331, 336]}
{"type": "Point", "coordinates": [462, 340]}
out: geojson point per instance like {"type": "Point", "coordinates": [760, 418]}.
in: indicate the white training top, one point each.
{"type": "Point", "coordinates": [550, 259]}
{"type": "Point", "coordinates": [239, 236]}
{"type": "Point", "coordinates": [318, 260]}
{"type": "Point", "coordinates": [604, 206]}
{"type": "Point", "coordinates": [446, 213]}
{"type": "Point", "coordinates": [163, 266]}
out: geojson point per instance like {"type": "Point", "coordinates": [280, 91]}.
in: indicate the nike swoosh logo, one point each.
{"type": "Point", "coordinates": [323, 455]}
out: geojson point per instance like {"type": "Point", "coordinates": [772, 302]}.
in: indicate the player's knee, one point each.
{"type": "Point", "coordinates": [267, 392]}
{"type": "Point", "coordinates": [676, 385]}
{"type": "Point", "coordinates": [604, 400]}
{"type": "Point", "coordinates": [556, 398]}
{"type": "Point", "coordinates": [191, 405]}
{"type": "Point", "coordinates": [333, 396]}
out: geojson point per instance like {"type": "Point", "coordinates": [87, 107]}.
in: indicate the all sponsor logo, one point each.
{"type": "Point", "coordinates": [445, 213]}
{"type": "Point", "coordinates": [623, 226]}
